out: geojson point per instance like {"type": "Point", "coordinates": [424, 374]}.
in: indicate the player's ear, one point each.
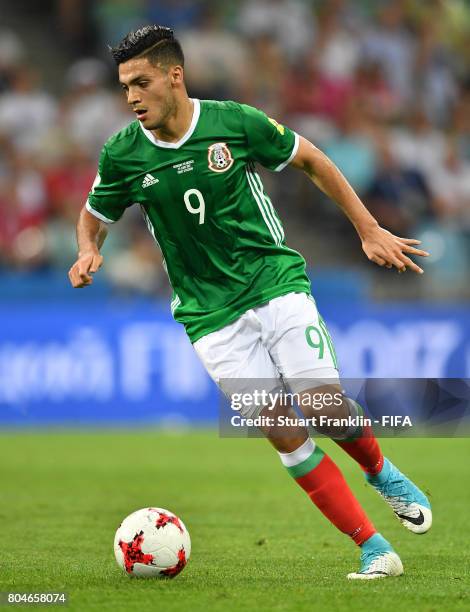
{"type": "Point", "coordinates": [176, 75]}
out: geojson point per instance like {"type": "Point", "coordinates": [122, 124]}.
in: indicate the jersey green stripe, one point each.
{"type": "Point", "coordinates": [174, 304]}
{"type": "Point", "coordinates": [262, 202]}
{"type": "Point", "coordinates": [297, 471]}
{"type": "Point", "coordinates": [262, 207]}
{"type": "Point", "coordinates": [269, 207]}
{"type": "Point", "coordinates": [281, 229]}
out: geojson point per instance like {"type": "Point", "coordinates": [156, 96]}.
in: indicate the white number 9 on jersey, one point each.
{"type": "Point", "coordinates": [201, 210]}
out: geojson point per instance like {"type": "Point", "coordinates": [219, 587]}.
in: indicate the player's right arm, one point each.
{"type": "Point", "coordinates": [106, 203]}
{"type": "Point", "coordinates": [91, 233]}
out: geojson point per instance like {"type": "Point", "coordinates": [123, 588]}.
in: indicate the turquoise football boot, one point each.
{"type": "Point", "coordinates": [410, 505]}
{"type": "Point", "coordinates": [378, 560]}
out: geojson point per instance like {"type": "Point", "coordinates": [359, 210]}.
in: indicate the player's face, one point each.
{"type": "Point", "coordinates": [149, 92]}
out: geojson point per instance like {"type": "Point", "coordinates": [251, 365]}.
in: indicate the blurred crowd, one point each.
{"type": "Point", "coordinates": [383, 87]}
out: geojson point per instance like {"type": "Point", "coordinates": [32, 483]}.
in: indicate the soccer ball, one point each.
{"type": "Point", "coordinates": [153, 543]}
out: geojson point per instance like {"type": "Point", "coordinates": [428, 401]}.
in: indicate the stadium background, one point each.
{"type": "Point", "coordinates": [382, 87]}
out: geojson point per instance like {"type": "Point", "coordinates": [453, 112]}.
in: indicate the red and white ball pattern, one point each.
{"type": "Point", "coordinates": [152, 542]}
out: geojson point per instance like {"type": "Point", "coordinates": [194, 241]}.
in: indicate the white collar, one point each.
{"type": "Point", "coordinates": [183, 139]}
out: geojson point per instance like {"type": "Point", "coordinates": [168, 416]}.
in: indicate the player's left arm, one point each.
{"type": "Point", "coordinates": [380, 246]}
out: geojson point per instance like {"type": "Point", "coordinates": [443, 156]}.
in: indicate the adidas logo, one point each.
{"type": "Point", "coordinates": [149, 180]}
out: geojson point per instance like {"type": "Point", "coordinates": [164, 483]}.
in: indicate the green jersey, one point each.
{"type": "Point", "coordinates": [221, 239]}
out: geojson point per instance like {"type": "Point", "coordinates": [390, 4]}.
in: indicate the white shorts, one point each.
{"type": "Point", "coordinates": [283, 343]}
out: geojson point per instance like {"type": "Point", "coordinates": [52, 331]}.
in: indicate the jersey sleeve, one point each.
{"type": "Point", "coordinates": [108, 197]}
{"type": "Point", "coordinates": [271, 144]}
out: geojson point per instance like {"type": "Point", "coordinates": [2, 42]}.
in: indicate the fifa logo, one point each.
{"type": "Point", "coordinates": [219, 157]}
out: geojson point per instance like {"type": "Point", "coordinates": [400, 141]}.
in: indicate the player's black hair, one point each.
{"type": "Point", "coordinates": [156, 43]}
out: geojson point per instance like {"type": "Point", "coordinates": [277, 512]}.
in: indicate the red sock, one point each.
{"type": "Point", "coordinates": [365, 450]}
{"type": "Point", "coordinates": [329, 491]}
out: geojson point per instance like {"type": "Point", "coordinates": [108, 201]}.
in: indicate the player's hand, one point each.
{"type": "Point", "coordinates": [80, 274]}
{"type": "Point", "coordinates": [385, 249]}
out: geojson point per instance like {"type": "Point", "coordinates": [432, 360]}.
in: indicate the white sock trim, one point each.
{"type": "Point", "coordinates": [299, 455]}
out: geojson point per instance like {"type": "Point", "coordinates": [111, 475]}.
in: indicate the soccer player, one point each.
{"type": "Point", "coordinates": [240, 291]}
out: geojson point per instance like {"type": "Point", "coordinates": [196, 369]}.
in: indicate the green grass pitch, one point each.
{"type": "Point", "coordinates": [258, 542]}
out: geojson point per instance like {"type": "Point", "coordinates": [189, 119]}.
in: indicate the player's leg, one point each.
{"type": "Point", "coordinates": [326, 486]}
{"type": "Point", "coordinates": [408, 502]}
{"type": "Point", "coordinates": [302, 350]}
{"type": "Point", "coordinates": [316, 473]}
{"type": "Point", "coordinates": [237, 353]}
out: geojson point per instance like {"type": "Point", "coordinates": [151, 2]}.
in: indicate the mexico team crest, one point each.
{"type": "Point", "coordinates": [220, 157]}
